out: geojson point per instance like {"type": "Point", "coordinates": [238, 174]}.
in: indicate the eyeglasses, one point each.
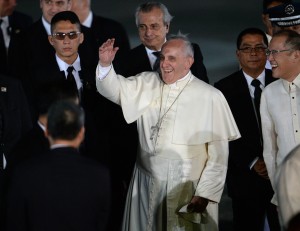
{"type": "Point", "coordinates": [274, 52]}
{"type": "Point", "coordinates": [253, 49]}
{"type": "Point", "coordinates": [62, 36]}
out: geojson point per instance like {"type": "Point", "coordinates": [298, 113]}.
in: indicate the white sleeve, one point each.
{"type": "Point", "coordinates": [101, 72]}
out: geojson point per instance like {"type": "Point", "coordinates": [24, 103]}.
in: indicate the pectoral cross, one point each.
{"type": "Point", "coordinates": [154, 132]}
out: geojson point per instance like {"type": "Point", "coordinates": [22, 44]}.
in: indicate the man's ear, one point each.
{"type": "Point", "coordinates": [50, 39]}
{"type": "Point", "coordinates": [167, 27]}
{"type": "Point", "coordinates": [81, 38]}
{"type": "Point", "coordinates": [297, 55]}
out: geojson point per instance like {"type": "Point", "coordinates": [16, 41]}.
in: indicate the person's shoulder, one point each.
{"type": "Point", "coordinates": [198, 83]}
{"type": "Point", "coordinates": [137, 49]}
{"type": "Point", "coordinates": [8, 81]}
{"type": "Point", "coordinates": [21, 16]}
{"type": "Point", "coordinates": [229, 78]}
{"type": "Point", "coordinates": [272, 86]}
{"type": "Point", "coordinates": [106, 20]}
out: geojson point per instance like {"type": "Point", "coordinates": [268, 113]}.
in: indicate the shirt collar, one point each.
{"type": "Point", "coordinates": [261, 78]}
{"type": "Point", "coordinates": [54, 146]}
{"type": "Point", "coordinates": [181, 81]}
{"type": "Point", "coordinates": [5, 20]}
{"type": "Point", "coordinates": [296, 81]}
{"type": "Point", "coordinates": [47, 26]}
{"type": "Point", "coordinates": [41, 125]}
{"type": "Point", "coordinates": [88, 21]}
{"type": "Point", "coordinates": [63, 66]}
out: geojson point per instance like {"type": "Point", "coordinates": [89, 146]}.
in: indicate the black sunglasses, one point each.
{"type": "Point", "coordinates": [62, 36]}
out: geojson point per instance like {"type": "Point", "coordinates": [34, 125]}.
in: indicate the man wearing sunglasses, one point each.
{"type": "Point", "coordinates": [33, 55]}
{"type": "Point", "coordinates": [280, 103]}
{"type": "Point", "coordinates": [68, 65]}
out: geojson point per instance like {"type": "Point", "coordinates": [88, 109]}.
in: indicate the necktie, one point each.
{"type": "Point", "coordinates": [3, 58]}
{"type": "Point", "coordinates": [257, 94]}
{"type": "Point", "coordinates": [156, 66]}
{"type": "Point", "coordinates": [71, 78]}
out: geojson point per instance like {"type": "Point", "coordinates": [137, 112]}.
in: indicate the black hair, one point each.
{"type": "Point", "coordinates": [65, 120]}
{"type": "Point", "coordinates": [252, 31]}
{"type": "Point", "coordinates": [65, 16]}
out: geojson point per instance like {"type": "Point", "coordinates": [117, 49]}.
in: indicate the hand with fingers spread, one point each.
{"type": "Point", "coordinates": [107, 52]}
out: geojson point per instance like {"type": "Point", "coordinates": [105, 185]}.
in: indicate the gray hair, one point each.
{"type": "Point", "coordinates": [188, 47]}
{"type": "Point", "coordinates": [292, 38]}
{"type": "Point", "coordinates": [148, 6]}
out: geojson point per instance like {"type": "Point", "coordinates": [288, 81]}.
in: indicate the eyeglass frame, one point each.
{"type": "Point", "coordinates": [69, 34]}
{"type": "Point", "coordinates": [249, 50]}
{"type": "Point", "coordinates": [274, 52]}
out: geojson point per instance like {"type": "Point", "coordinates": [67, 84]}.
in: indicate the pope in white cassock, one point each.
{"type": "Point", "coordinates": [184, 126]}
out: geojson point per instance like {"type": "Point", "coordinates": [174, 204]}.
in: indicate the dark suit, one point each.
{"type": "Point", "coordinates": [137, 61]}
{"type": "Point", "coordinates": [15, 112]}
{"type": "Point", "coordinates": [250, 193]}
{"type": "Point", "coordinates": [16, 122]}
{"type": "Point", "coordinates": [98, 110]}
{"type": "Point", "coordinates": [18, 22]}
{"type": "Point", "coordinates": [60, 190]}
{"type": "Point", "coordinates": [33, 144]}
{"type": "Point", "coordinates": [105, 28]}
{"type": "Point", "coordinates": [34, 50]}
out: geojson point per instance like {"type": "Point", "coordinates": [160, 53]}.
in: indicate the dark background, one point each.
{"type": "Point", "coordinates": [213, 24]}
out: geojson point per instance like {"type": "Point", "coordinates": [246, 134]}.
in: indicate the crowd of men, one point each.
{"type": "Point", "coordinates": [96, 135]}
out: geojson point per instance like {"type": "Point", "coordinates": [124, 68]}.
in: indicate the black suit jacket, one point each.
{"type": "Point", "coordinates": [60, 190]}
{"type": "Point", "coordinates": [241, 181]}
{"type": "Point", "coordinates": [137, 61]}
{"type": "Point", "coordinates": [15, 112]}
{"type": "Point", "coordinates": [18, 22]}
{"type": "Point", "coordinates": [106, 28]}
{"type": "Point", "coordinates": [16, 122]}
{"type": "Point", "coordinates": [33, 144]}
{"type": "Point", "coordinates": [98, 110]}
{"type": "Point", "coordinates": [34, 49]}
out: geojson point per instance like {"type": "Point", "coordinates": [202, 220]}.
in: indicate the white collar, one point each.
{"type": "Point", "coordinates": [261, 78]}
{"type": "Point", "coordinates": [88, 21]}
{"type": "Point", "coordinates": [47, 26]}
{"type": "Point", "coordinates": [63, 66]}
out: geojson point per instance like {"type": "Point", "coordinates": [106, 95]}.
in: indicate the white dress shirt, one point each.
{"type": "Point", "coordinates": [280, 114]}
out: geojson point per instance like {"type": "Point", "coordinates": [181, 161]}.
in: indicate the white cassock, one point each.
{"type": "Point", "coordinates": [184, 129]}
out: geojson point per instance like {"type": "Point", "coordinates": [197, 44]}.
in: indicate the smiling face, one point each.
{"type": "Point", "coordinates": [252, 63]}
{"type": "Point", "coordinates": [285, 64]}
{"type": "Point", "coordinates": [66, 49]}
{"type": "Point", "coordinates": [52, 7]}
{"type": "Point", "coordinates": [174, 61]}
{"type": "Point", "coordinates": [152, 29]}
